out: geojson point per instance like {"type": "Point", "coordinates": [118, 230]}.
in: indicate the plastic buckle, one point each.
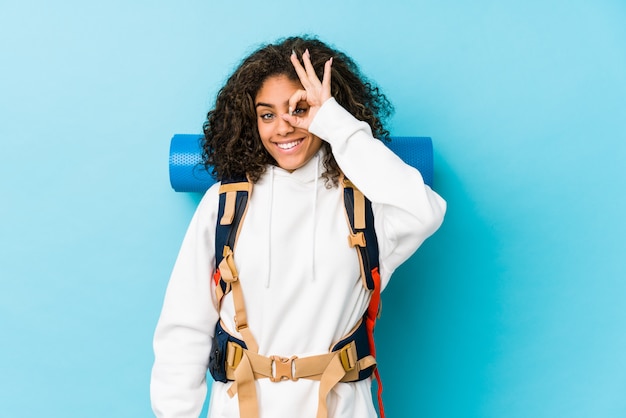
{"type": "Point", "coordinates": [234, 353]}
{"type": "Point", "coordinates": [283, 368]}
{"type": "Point", "coordinates": [356, 240]}
{"type": "Point", "coordinates": [347, 357]}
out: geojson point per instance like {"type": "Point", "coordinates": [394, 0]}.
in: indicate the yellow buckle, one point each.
{"type": "Point", "coordinates": [347, 355]}
{"type": "Point", "coordinates": [234, 353]}
{"type": "Point", "coordinates": [282, 368]}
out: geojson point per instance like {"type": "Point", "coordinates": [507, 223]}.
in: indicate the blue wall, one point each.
{"type": "Point", "coordinates": [515, 308]}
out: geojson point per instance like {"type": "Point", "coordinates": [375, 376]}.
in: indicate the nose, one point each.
{"type": "Point", "coordinates": [284, 127]}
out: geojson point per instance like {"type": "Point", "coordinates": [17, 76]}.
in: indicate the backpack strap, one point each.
{"type": "Point", "coordinates": [234, 195]}
{"type": "Point", "coordinates": [362, 236]}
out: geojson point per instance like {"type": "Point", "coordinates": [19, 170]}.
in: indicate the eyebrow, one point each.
{"type": "Point", "coordinates": [260, 104]}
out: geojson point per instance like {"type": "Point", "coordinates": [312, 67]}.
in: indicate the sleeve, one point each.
{"type": "Point", "coordinates": [184, 332]}
{"type": "Point", "coordinates": [406, 210]}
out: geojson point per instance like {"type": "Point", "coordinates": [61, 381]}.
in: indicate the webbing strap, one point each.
{"type": "Point", "coordinates": [231, 190]}
{"type": "Point", "coordinates": [231, 276]}
{"type": "Point", "coordinates": [331, 376]}
{"type": "Point", "coordinates": [234, 196]}
{"type": "Point", "coordinates": [229, 208]}
{"type": "Point", "coordinates": [248, 406]}
{"type": "Point", "coordinates": [238, 185]}
{"type": "Point", "coordinates": [360, 218]}
{"type": "Point", "coordinates": [359, 209]}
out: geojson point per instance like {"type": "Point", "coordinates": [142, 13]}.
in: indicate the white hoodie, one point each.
{"type": "Point", "coordinates": [300, 278]}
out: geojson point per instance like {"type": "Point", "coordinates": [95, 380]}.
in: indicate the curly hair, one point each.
{"type": "Point", "coordinates": [232, 147]}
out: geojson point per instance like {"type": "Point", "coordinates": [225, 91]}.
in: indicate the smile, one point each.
{"type": "Point", "coordinates": [289, 145]}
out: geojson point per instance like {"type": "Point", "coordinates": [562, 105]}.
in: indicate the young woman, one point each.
{"type": "Point", "coordinates": [295, 119]}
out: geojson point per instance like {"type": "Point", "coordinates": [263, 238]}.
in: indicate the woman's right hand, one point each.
{"type": "Point", "coordinates": [314, 92]}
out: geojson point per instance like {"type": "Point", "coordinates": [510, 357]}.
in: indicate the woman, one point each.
{"type": "Point", "coordinates": [294, 118]}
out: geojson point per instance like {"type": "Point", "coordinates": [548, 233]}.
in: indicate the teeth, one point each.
{"type": "Point", "coordinates": [288, 145]}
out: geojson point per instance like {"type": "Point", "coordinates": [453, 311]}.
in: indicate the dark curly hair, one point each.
{"type": "Point", "coordinates": [231, 144]}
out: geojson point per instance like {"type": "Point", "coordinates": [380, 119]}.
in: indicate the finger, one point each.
{"type": "Point", "coordinates": [297, 97]}
{"type": "Point", "coordinates": [299, 69]}
{"type": "Point", "coordinates": [292, 120]}
{"type": "Point", "coordinates": [310, 71]}
{"type": "Point", "coordinates": [326, 79]}
{"type": "Point", "coordinates": [297, 121]}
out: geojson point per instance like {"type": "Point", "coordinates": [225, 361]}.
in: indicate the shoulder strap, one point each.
{"type": "Point", "coordinates": [233, 204]}
{"type": "Point", "coordinates": [362, 236]}
{"type": "Point", "coordinates": [234, 195]}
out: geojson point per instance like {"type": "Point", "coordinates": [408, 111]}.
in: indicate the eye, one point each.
{"type": "Point", "coordinates": [266, 116]}
{"type": "Point", "coordinates": [299, 111]}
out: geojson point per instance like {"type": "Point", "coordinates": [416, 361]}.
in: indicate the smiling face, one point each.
{"type": "Point", "coordinates": [291, 147]}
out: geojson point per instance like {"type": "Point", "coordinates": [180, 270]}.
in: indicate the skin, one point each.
{"type": "Point", "coordinates": [285, 109]}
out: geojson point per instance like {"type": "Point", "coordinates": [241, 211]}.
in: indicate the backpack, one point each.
{"type": "Point", "coordinates": [350, 359]}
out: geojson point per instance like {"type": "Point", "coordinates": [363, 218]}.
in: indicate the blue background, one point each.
{"type": "Point", "coordinates": [515, 308]}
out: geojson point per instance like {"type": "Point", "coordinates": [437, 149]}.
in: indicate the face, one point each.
{"type": "Point", "coordinates": [291, 147]}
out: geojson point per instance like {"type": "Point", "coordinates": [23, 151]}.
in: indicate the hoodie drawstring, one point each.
{"type": "Point", "coordinates": [269, 229]}
{"type": "Point", "coordinates": [313, 222]}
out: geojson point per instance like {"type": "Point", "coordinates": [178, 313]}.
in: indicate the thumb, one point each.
{"type": "Point", "coordinates": [295, 121]}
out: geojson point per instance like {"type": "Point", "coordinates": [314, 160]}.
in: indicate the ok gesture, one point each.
{"type": "Point", "coordinates": [314, 92]}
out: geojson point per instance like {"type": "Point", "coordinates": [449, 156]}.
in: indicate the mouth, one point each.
{"type": "Point", "coordinates": [286, 146]}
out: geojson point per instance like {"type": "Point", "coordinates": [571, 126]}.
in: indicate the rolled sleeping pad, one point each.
{"type": "Point", "coordinates": [187, 173]}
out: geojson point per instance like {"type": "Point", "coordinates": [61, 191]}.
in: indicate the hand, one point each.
{"type": "Point", "coordinates": [315, 93]}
